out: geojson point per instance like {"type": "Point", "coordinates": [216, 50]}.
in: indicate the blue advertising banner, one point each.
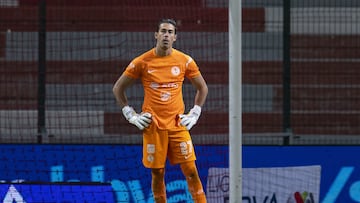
{"type": "Point", "coordinates": [340, 167]}
{"type": "Point", "coordinates": [40, 192]}
{"type": "Point", "coordinates": [120, 166]}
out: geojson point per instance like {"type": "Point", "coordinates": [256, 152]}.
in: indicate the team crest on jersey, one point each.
{"type": "Point", "coordinates": [175, 70]}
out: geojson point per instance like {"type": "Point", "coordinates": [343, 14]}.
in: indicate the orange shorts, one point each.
{"type": "Point", "coordinates": [158, 145]}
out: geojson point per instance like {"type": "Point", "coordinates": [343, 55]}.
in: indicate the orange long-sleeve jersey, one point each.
{"type": "Point", "coordinates": [162, 78]}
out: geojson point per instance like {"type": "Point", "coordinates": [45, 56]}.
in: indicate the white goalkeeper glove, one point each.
{"type": "Point", "coordinates": [190, 119]}
{"type": "Point", "coordinates": [141, 121]}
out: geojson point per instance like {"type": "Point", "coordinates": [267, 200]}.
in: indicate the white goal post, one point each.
{"type": "Point", "coordinates": [235, 104]}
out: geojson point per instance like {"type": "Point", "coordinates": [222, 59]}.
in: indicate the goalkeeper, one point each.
{"type": "Point", "coordinates": [165, 127]}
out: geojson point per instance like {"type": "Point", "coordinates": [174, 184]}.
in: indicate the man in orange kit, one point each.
{"type": "Point", "coordinates": [162, 71]}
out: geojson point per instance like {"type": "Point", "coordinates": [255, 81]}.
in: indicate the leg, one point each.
{"type": "Point", "coordinates": [193, 180]}
{"type": "Point", "coordinates": [155, 147]}
{"type": "Point", "coordinates": [158, 184]}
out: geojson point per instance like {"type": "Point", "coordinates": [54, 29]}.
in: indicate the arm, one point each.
{"type": "Point", "coordinates": [190, 119]}
{"type": "Point", "coordinates": [142, 120]}
{"type": "Point", "coordinates": [202, 90]}
{"type": "Point", "coordinates": [119, 89]}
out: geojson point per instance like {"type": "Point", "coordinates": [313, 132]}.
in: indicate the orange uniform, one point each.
{"type": "Point", "coordinates": [162, 78]}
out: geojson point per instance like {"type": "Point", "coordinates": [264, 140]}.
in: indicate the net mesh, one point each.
{"type": "Point", "coordinates": [87, 47]}
{"type": "Point", "coordinates": [88, 44]}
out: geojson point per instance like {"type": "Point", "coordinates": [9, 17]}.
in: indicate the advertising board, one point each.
{"type": "Point", "coordinates": [120, 166]}
{"type": "Point", "coordinates": [59, 193]}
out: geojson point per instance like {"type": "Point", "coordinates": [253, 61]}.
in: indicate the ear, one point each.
{"type": "Point", "coordinates": [155, 35]}
{"type": "Point", "coordinates": [175, 37]}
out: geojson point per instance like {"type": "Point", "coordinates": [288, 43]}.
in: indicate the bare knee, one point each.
{"type": "Point", "coordinates": [158, 173]}
{"type": "Point", "coordinates": [189, 170]}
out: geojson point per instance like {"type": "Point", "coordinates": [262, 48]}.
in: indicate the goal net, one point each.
{"type": "Point", "coordinates": [88, 45]}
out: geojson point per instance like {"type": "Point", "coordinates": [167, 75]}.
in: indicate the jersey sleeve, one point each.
{"type": "Point", "coordinates": [192, 69]}
{"type": "Point", "coordinates": [134, 69]}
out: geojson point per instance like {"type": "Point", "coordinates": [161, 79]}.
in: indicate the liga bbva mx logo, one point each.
{"type": "Point", "coordinates": [304, 197]}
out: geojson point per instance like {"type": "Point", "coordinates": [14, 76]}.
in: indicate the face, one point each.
{"type": "Point", "coordinates": [165, 36]}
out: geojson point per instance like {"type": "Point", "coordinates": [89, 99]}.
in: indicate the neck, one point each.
{"type": "Point", "coordinates": [162, 52]}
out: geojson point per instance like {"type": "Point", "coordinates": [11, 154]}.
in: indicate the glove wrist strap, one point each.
{"type": "Point", "coordinates": [196, 110]}
{"type": "Point", "coordinates": [128, 112]}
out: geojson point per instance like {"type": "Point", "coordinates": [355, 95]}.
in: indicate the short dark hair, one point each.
{"type": "Point", "coordinates": [167, 20]}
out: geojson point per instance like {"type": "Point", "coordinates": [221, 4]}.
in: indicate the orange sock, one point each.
{"type": "Point", "coordinates": [158, 185]}
{"type": "Point", "coordinates": [193, 180]}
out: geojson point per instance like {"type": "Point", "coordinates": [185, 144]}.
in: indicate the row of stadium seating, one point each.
{"type": "Point", "coordinates": [314, 109]}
